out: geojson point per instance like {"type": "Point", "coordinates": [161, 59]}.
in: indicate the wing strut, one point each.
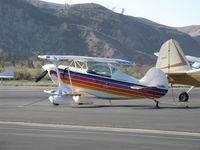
{"type": "Point", "coordinates": [70, 80]}
{"type": "Point", "coordinates": [59, 80]}
{"type": "Point", "coordinates": [56, 97]}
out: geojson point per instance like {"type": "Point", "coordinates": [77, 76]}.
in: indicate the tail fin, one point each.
{"type": "Point", "coordinates": [171, 58]}
{"type": "Point", "coordinates": [7, 74]}
{"type": "Point", "coordinates": [155, 78]}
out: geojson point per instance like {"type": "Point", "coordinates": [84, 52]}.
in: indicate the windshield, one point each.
{"type": "Point", "coordinates": [102, 69]}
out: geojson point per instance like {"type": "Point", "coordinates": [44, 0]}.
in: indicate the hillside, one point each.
{"type": "Point", "coordinates": [31, 27]}
{"type": "Point", "coordinates": [193, 30]}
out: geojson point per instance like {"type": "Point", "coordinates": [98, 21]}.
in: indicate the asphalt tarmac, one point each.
{"type": "Point", "coordinates": [29, 121]}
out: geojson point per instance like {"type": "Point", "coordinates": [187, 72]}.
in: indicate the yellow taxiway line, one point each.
{"type": "Point", "coordinates": [98, 128]}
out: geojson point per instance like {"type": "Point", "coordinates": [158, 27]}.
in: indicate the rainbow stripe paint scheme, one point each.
{"type": "Point", "coordinates": [115, 89]}
{"type": "Point", "coordinates": [101, 79]}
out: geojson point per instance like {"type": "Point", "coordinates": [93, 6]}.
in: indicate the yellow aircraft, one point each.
{"type": "Point", "coordinates": [173, 62]}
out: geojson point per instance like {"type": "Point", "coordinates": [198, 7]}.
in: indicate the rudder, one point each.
{"type": "Point", "coordinates": [155, 78]}
{"type": "Point", "coordinates": [171, 58]}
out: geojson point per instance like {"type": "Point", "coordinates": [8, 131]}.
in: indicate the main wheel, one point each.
{"type": "Point", "coordinates": [183, 97]}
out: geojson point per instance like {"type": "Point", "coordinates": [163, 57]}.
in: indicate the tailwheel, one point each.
{"type": "Point", "coordinates": [183, 97]}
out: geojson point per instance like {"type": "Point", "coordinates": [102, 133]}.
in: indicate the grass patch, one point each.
{"type": "Point", "coordinates": [29, 84]}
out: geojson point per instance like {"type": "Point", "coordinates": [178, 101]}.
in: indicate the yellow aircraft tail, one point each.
{"type": "Point", "coordinates": [172, 61]}
{"type": "Point", "coordinates": [171, 58]}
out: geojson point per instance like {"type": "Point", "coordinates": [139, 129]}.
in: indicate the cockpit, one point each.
{"type": "Point", "coordinates": [102, 69]}
{"type": "Point", "coordinates": [110, 71]}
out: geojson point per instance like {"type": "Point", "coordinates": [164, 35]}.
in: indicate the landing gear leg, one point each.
{"type": "Point", "coordinates": [157, 104]}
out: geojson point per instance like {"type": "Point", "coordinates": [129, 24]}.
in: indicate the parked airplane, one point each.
{"type": "Point", "coordinates": [7, 74]}
{"type": "Point", "coordinates": [173, 62]}
{"type": "Point", "coordinates": [100, 79]}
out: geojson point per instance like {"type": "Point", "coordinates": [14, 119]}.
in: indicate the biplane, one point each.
{"type": "Point", "coordinates": [101, 78]}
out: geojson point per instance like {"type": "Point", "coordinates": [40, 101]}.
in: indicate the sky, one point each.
{"type": "Point", "coordinates": [175, 13]}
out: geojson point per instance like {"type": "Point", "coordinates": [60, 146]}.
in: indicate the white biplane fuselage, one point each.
{"type": "Point", "coordinates": [103, 80]}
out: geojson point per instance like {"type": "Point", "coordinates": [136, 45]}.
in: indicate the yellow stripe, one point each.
{"type": "Point", "coordinates": [104, 90]}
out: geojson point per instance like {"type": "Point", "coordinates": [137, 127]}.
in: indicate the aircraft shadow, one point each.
{"type": "Point", "coordinates": [180, 107]}
{"type": "Point", "coordinates": [137, 106]}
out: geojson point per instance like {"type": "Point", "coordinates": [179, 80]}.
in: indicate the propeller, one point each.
{"type": "Point", "coordinates": [42, 75]}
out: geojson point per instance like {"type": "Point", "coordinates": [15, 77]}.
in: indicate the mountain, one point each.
{"type": "Point", "coordinates": [31, 27]}
{"type": "Point", "coordinates": [193, 30]}
{"type": "Point", "coordinates": [43, 4]}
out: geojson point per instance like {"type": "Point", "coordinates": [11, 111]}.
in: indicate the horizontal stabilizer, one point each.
{"type": "Point", "coordinates": [141, 87]}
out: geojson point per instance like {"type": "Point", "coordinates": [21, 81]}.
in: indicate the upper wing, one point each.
{"type": "Point", "coordinates": [85, 59]}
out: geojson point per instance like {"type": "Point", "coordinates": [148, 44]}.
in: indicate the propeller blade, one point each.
{"type": "Point", "coordinates": [42, 75]}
